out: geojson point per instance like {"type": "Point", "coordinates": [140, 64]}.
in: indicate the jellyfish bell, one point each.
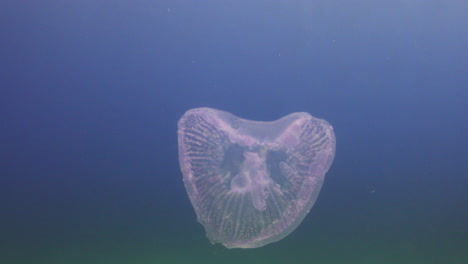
{"type": "Point", "coordinates": [252, 183]}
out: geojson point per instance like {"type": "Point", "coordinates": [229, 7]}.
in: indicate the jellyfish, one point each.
{"type": "Point", "coordinates": [252, 183]}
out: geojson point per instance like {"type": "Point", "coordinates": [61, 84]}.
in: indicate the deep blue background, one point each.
{"type": "Point", "coordinates": [91, 92]}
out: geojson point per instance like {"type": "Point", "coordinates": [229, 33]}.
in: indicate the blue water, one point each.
{"type": "Point", "coordinates": [91, 92]}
